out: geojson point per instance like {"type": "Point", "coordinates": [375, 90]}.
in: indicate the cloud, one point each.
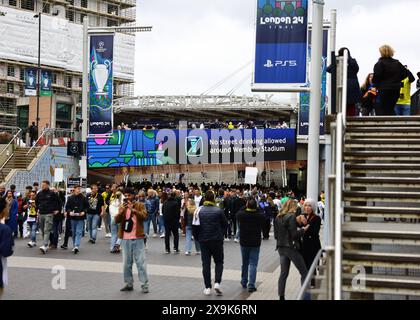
{"type": "Point", "coordinates": [196, 43]}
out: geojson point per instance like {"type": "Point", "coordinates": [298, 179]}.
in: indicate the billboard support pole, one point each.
{"type": "Point", "coordinates": [85, 83]}
{"type": "Point", "coordinates": [315, 101]}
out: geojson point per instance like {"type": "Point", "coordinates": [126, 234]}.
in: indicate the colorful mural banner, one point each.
{"type": "Point", "coordinates": [101, 84]}
{"type": "Point", "coordinates": [281, 44]}
{"type": "Point", "coordinates": [135, 148]}
{"type": "Point", "coordinates": [46, 82]}
{"type": "Point", "coordinates": [30, 81]}
{"type": "Point", "coordinates": [304, 98]}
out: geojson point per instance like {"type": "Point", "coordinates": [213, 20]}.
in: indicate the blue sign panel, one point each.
{"type": "Point", "coordinates": [30, 81]}
{"type": "Point", "coordinates": [281, 44]}
{"type": "Point", "coordinates": [305, 97]}
{"type": "Point", "coordinates": [101, 83]}
{"type": "Point", "coordinates": [134, 148]}
{"type": "Point", "coordinates": [46, 80]}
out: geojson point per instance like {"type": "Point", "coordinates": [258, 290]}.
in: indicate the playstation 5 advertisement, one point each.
{"type": "Point", "coordinates": [101, 84]}
{"type": "Point", "coordinates": [281, 46]}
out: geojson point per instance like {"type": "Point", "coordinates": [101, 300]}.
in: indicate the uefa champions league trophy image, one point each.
{"type": "Point", "coordinates": [31, 79]}
{"type": "Point", "coordinates": [46, 81]}
{"type": "Point", "coordinates": [100, 74]}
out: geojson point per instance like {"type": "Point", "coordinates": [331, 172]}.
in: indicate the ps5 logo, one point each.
{"type": "Point", "coordinates": [280, 63]}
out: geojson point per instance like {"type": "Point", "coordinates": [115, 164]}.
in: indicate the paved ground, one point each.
{"type": "Point", "coordinates": [96, 274]}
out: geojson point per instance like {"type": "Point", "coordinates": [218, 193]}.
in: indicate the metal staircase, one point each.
{"type": "Point", "coordinates": [381, 229]}
{"type": "Point", "coordinates": [20, 159]}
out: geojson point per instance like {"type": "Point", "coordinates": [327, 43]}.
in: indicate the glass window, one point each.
{"type": "Point", "coordinates": [84, 3]}
{"type": "Point", "coordinates": [112, 9]}
{"type": "Point", "coordinates": [69, 83]}
{"type": "Point", "coordinates": [54, 79]}
{"type": "Point", "coordinates": [22, 74]}
{"type": "Point", "coordinates": [10, 71]}
{"type": "Point", "coordinates": [46, 7]}
{"type": "Point", "coordinates": [23, 116]}
{"type": "Point", "coordinates": [63, 111]}
{"type": "Point", "coordinates": [111, 23]}
{"type": "Point", "coordinates": [27, 4]}
{"type": "Point", "coordinates": [10, 87]}
{"type": "Point", "coordinates": [12, 3]}
{"type": "Point", "coordinates": [70, 15]}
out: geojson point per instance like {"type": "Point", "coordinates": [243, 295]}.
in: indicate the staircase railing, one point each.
{"type": "Point", "coordinates": [6, 148]}
{"type": "Point", "coordinates": [303, 293]}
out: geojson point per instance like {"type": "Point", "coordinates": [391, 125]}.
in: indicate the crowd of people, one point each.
{"type": "Point", "coordinates": [385, 92]}
{"type": "Point", "coordinates": [207, 216]}
{"type": "Point", "coordinates": [216, 124]}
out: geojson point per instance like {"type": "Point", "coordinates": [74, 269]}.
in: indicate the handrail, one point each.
{"type": "Point", "coordinates": [36, 142]}
{"type": "Point", "coordinates": [11, 141]}
{"type": "Point", "coordinates": [305, 285]}
{"type": "Point", "coordinates": [5, 163]}
{"type": "Point", "coordinates": [345, 81]}
{"type": "Point", "coordinates": [338, 207]}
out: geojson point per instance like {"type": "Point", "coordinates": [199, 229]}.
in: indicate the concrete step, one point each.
{"type": "Point", "coordinates": [381, 233]}
{"type": "Point", "coordinates": [384, 284]}
{"type": "Point", "coordinates": [369, 155]}
{"type": "Point", "coordinates": [381, 121]}
{"type": "Point", "coordinates": [381, 196]}
{"type": "Point", "coordinates": [381, 259]}
{"type": "Point", "coordinates": [354, 130]}
{"type": "Point", "coordinates": [383, 143]}
{"type": "Point", "coordinates": [393, 182]}
{"type": "Point", "coordinates": [382, 212]}
{"type": "Point", "coordinates": [407, 168]}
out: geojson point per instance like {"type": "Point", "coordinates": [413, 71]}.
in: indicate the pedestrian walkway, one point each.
{"type": "Point", "coordinates": [96, 274]}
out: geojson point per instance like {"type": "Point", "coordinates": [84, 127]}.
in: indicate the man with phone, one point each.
{"type": "Point", "coordinates": [76, 208]}
{"type": "Point", "coordinates": [131, 217]}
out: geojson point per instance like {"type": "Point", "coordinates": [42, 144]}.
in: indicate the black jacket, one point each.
{"type": "Point", "coordinates": [95, 205]}
{"type": "Point", "coordinates": [47, 201]}
{"type": "Point", "coordinates": [213, 224]}
{"type": "Point", "coordinates": [77, 204]}
{"type": "Point", "coordinates": [310, 240]}
{"type": "Point", "coordinates": [286, 231]}
{"type": "Point", "coordinates": [171, 210]}
{"type": "Point", "coordinates": [388, 74]}
{"type": "Point", "coordinates": [250, 224]}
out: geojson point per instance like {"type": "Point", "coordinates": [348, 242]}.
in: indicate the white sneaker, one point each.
{"type": "Point", "coordinates": [236, 240]}
{"type": "Point", "coordinates": [108, 235]}
{"type": "Point", "coordinates": [227, 239]}
{"type": "Point", "coordinates": [162, 236]}
{"type": "Point", "coordinates": [207, 291]}
{"type": "Point", "coordinates": [99, 229]}
{"type": "Point", "coordinates": [187, 253]}
{"type": "Point", "coordinates": [31, 244]}
{"type": "Point", "coordinates": [154, 235]}
{"type": "Point", "coordinates": [218, 289]}
{"type": "Point", "coordinates": [43, 249]}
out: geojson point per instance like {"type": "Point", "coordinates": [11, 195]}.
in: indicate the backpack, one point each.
{"type": "Point", "coordinates": [128, 224]}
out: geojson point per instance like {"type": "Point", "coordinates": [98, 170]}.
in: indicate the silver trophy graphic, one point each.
{"type": "Point", "coordinates": [31, 79]}
{"type": "Point", "coordinates": [100, 74]}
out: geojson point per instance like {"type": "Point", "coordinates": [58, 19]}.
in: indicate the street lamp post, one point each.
{"type": "Point", "coordinates": [38, 73]}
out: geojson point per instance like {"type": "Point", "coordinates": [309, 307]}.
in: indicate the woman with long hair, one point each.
{"type": "Point", "coordinates": [288, 236]}
{"type": "Point", "coordinates": [162, 199]}
{"type": "Point", "coordinates": [188, 218]}
{"type": "Point", "coordinates": [369, 96]}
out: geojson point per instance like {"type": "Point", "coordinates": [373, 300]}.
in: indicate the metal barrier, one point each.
{"type": "Point", "coordinates": [306, 285]}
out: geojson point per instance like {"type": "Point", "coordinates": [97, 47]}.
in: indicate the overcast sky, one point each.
{"type": "Point", "coordinates": [196, 43]}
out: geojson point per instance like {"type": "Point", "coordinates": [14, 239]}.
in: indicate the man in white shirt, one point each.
{"type": "Point", "coordinates": [197, 197]}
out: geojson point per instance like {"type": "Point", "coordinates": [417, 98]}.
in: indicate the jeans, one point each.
{"type": "Point", "coordinates": [134, 251]}
{"type": "Point", "coordinates": [171, 228]}
{"type": "Point", "coordinates": [77, 227]}
{"type": "Point", "coordinates": [287, 255]}
{"type": "Point", "coordinates": [237, 235]}
{"type": "Point", "coordinates": [55, 232]}
{"type": "Point", "coordinates": [46, 225]}
{"type": "Point", "coordinates": [161, 223]}
{"type": "Point", "coordinates": [68, 232]}
{"type": "Point", "coordinates": [114, 235]}
{"type": "Point", "coordinates": [32, 228]}
{"type": "Point", "coordinates": [105, 220]}
{"type": "Point", "coordinates": [188, 240]}
{"type": "Point", "coordinates": [402, 110]}
{"type": "Point", "coordinates": [146, 223]}
{"type": "Point", "coordinates": [212, 249]}
{"type": "Point", "coordinates": [250, 257]}
{"type": "Point", "coordinates": [93, 220]}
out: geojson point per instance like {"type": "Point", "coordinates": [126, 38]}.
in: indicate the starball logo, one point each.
{"type": "Point", "coordinates": [101, 46]}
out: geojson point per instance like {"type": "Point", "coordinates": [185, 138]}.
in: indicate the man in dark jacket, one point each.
{"type": "Point", "coordinates": [211, 229]}
{"type": "Point", "coordinates": [6, 249]}
{"type": "Point", "coordinates": [49, 205]}
{"type": "Point", "coordinates": [95, 211]}
{"type": "Point", "coordinates": [76, 208]}
{"type": "Point", "coordinates": [171, 210]}
{"type": "Point", "coordinates": [250, 222]}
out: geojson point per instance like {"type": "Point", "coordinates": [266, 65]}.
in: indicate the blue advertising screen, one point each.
{"type": "Point", "coordinates": [134, 148]}
{"type": "Point", "coordinates": [281, 44]}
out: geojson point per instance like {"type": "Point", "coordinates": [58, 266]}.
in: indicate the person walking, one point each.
{"type": "Point", "coordinates": [171, 214]}
{"type": "Point", "coordinates": [288, 236]}
{"type": "Point", "coordinates": [403, 107]}
{"type": "Point", "coordinates": [31, 212]}
{"type": "Point", "coordinates": [57, 222]}
{"type": "Point", "coordinates": [387, 76]}
{"type": "Point", "coordinates": [311, 243]}
{"type": "Point", "coordinates": [162, 199]}
{"type": "Point", "coordinates": [33, 133]}
{"type": "Point", "coordinates": [251, 222]}
{"type": "Point", "coordinates": [48, 205]}
{"type": "Point", "coordinates": [152, 207]}
{"type": "Point", "coordinates": [76, 208]}
{"type": "Point", "coordinates": [188, 217]}
{"type": "Point", "coordinates": [210, 224]}
{"type": "Point", "coordinates": [116, 201]}
{"type": "Point", "coordinates": [353, 86]}
{"type": "Point", "coordinates": [131, 217]}
{"type": "Point", "coordinates": [12, 219]}
{"type": "Point", "coordinates": [95, 211]}
{"type": "Point", "coordinates": [6, 250]}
